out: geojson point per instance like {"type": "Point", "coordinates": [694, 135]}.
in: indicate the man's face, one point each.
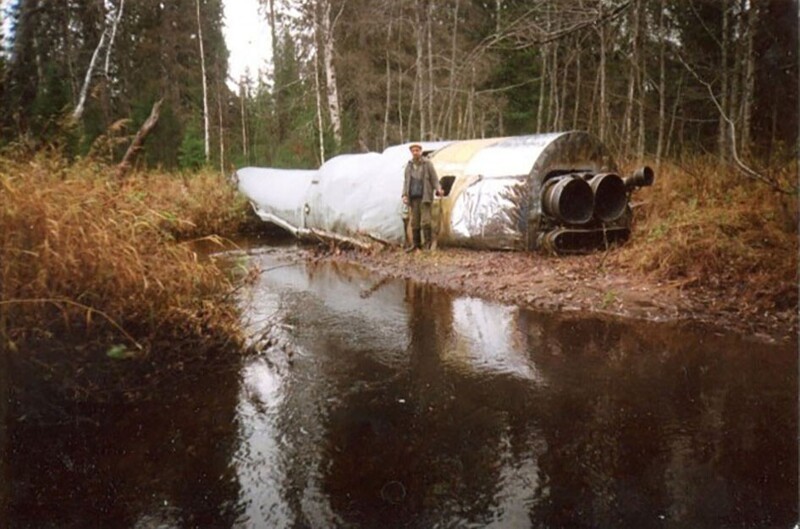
{"type": "Point", "coordinates": [416, 152]}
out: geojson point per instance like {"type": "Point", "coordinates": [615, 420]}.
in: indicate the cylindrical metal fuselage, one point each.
{"type": "Point", "coordinates": [557, 191]}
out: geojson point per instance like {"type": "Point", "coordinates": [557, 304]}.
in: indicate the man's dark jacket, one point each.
{"type": "Point", "coordinates": [430, 181]}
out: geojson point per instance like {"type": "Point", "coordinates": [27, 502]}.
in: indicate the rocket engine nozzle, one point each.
{"type": "Point", "coordinates": [568, 198]}
{"type": "Point", "coordinates": [642, 177]}
{"type": "Point", "coordinates": [610, 196]}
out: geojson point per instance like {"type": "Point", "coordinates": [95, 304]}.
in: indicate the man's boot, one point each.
{"type": "Point", "coordinates": [417, 240]}
{"type": "Point", "coordinates": [426, 232]}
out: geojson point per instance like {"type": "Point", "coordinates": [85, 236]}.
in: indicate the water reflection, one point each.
{"type": "Point", "coordinates": [160, 462]}
{"type": "Point", "coordinates": [412, 407]}
{"type": "Point", "coordinates": [377, 403]}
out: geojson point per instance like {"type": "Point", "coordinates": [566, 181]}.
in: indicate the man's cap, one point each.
{"type": "Point", "coordinates": [414, 145]}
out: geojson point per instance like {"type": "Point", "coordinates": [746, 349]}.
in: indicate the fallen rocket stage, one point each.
{"type": "Point", "coordinates": [556, 192]}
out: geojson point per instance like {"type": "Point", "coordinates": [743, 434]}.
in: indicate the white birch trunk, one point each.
{"type": "Point", "coordinates": [113, 35]}
{"type": "Point", "coordinates": [318, 96]}
{"type": "Point", "coordinates": [332, 89]}
{"type": "Point", "coordinates": [206, 143]}
{"type": "Point", "coordinates": [78, 112]}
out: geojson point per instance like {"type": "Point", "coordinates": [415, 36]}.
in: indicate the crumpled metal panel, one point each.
{"type": "Point", "coordinates": [490, 214]}
{"type": "Point", "coordinates": [512, 156]}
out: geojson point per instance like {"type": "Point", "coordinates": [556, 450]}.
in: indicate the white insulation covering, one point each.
{"type": "Point", "coordinates": [354, 197]}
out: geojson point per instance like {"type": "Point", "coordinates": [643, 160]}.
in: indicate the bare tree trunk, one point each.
{"type": "Point", "coordinates": [273, 30]}
{"type": "Point", "coordinates": [576, 107]}
{"type": "Point", "coordinates": [403, 136]}
{"type": "Point", "coordinates": [469, 109]}
{"type": "Point", "coordinates": [113, 35]}
{"type": "Point", "coordinates": [552, 107]}
{"type": "Point", "coordinates": [593, 107]}
{"type": "Point", "coordinates": [602, 116]}
{"type": "Point", "coordinates": [722, 139]}
{"type": "Point", "coordinates": [674, 115]}
{"type": "Point", "coordinates": [419, 69]}
{"type": "Point", "coordinates": [633, 75]}
{"type": "Point", "coordinates": [69, 45]}
{"type": "Point", "coordinates": [542, 90]}
{"type": "Point", "coordinates": [138, 140]}
{"type": "Point", "coordinates": [452, 83]}
{"type": "Point", "coordinates": [562, 107]}
{"type": "Point", "coordinates": [385, 141]}
{"type": "Point", "coordinates": [206, 143]}
{"type": "Point", "coordinates": [78, 112]}
{"type": "Point", "coordinates": [328, 27]}
{"type": "Point", "coordinates": [641, 60]}
{"type": "Point", "coordinates": [662, 83]}
{"type": "Point", "coordinates": [242, 98]}
{"type": "Point", "coordinates": [221, 133]}
{"type": "Point", "coordinates": [428, 24]}
{"type": "Point", "coordinates": [320, 124]}
{"type": "Point", "coordinates": [748, 90]}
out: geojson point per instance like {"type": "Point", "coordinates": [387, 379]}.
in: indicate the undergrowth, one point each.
{"type": "Point", "coordinates": [91, 260]}
{"type": "Point", "coordinates": [717, 229]}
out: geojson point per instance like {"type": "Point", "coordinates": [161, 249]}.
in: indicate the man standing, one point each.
{"type": "Point", "coordinates": [419, 186]}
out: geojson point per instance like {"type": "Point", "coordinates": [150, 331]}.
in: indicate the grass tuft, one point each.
{"type": "Point", "coordinates": [710, 228]}
{"type": "Point", "coordinates": [88, 259]}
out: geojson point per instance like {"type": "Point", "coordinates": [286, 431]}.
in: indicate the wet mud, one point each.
{"type": "Point", "coordinates": [594, 284]}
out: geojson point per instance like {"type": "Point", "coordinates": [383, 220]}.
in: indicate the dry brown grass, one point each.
{"type": "Point", "coordinates": [90, 260]}
{"type": "Point", "coordinates": [719, 230]}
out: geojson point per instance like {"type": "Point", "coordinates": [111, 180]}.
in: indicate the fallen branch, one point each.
{"type": "Point", "coordinates": [58, 302]}
{"type": "Point", "coordinates": [740, 165]}
{"type": "Point", "coordinates": [138, 141]}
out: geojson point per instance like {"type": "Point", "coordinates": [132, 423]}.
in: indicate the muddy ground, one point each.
{"type": "Point", "coordinates": [597, 283]}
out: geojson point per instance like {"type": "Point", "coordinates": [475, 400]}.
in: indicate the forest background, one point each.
{"type": "Point", "coordinates": [653, 79]}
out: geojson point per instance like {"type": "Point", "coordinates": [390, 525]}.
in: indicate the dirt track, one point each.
{"type": "Point", "coordinates": [586, 283]}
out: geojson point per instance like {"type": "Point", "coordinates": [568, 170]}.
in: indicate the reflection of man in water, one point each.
{"type": "Point", "coordinates": [419, 186]}
{"type": "Point", "coordinates": [406, 219]}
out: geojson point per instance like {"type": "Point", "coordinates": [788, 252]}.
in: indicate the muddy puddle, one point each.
{"type": "Point", "coordinates": [392, 404]}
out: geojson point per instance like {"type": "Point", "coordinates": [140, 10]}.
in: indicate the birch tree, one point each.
{"type": "Point", "coordinates": [78, 112]}
{"type": "Point", "coordinates": [205, 83]}
{"type": "Point", "coordinates": [328, 39]}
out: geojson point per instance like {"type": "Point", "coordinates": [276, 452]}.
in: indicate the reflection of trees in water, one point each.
{"type": "Point", "coordinates": [420, 449]}
{"type": "Point", "coordinates": [594, 424]}
{"type": "Point", "coordinates": [155, 461]}
{"type": "Point", "coordinates": [648, 427]}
